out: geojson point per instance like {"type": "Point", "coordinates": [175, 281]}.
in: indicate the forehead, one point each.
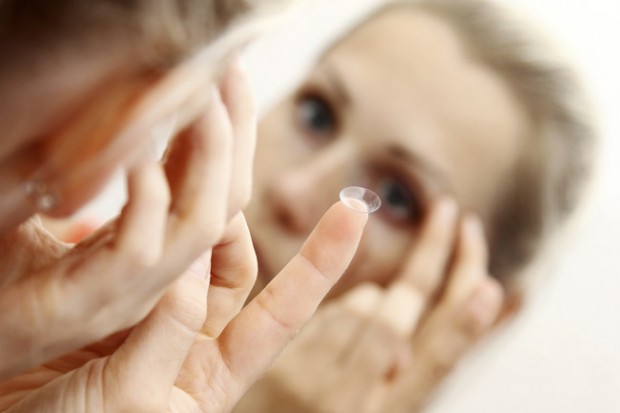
{"type": "Point", "coordinates": [411, 80]}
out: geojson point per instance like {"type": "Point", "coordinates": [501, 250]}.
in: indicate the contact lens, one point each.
{"type": "Point", "coordinates": [360, 199]}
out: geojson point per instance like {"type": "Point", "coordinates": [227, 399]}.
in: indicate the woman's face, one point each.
{"type": "Point", "coordinates": [399, 107]}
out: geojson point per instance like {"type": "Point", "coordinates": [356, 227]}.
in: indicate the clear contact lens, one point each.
{"type": "Point", "coordinates": [360, 199]}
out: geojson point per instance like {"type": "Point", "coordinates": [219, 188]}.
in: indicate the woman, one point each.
{"type": "Point", "coordinates": [108, 324]}
{"type": "Point", "coordinates": [471, 135]}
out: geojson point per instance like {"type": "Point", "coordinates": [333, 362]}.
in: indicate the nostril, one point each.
{"type": "Point", "coordinates": [289, 209]}
{"type": "Point", "coordinates": [286, 216]}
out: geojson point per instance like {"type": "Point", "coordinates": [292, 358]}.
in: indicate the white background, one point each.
{"type": "Point", "coordinates": [565, 355]}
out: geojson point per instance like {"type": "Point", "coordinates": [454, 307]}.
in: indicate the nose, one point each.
{"type": "Point", "coordinates": [301, 194]}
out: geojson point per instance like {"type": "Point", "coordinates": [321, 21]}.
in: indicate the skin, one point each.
{"type": "Point", "coordinates": [213, 351]}
{"type": "Point", "coordinates": [124, 321]}
{"type": "Point", "coordinates": [418, 294]}
{"type": "Point", "coordinates": [161, 231]}
{"type": "Point", "coordinates": [440, 112]}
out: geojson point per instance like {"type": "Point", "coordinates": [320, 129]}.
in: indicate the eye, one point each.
{"type": "Point", "coordinates": [316, 115]}
{"type": "Point", "coordinates": [399, 204]}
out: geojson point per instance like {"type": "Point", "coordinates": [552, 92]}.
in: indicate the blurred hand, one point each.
{"type": "Point", "coordinates": [184, 357]}
{"type": "Point", "coordinates": [54, 299]}
{"type": "Point", "coordinates": [379, 350]}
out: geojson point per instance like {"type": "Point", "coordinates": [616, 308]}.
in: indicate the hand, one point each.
{"type": "Point", "coordinates": [178, 361]}
{"type": "Point", "coordinates": [54, 299]}
{"type": "Point", "coordinates": [386, 350]}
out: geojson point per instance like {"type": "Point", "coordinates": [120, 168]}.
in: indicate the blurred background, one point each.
{"type": "Point", "coordinates": [564, 355]}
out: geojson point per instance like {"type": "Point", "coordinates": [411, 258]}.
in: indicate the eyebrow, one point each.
{"type": "Point", "coordinates": [404, 154]}
{"type": "Point", "coordinates": [338, 85]}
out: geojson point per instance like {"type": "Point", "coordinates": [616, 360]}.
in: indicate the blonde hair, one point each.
{"type": "Point", "coordinates": [57, 56]}
{"type": "Point", "coordinates": [162, 31]}
{"type": "Point", "coordinates": [558, 157]}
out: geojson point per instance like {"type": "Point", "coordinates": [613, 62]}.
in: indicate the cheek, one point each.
{"type": "Point", "coordinates": [274, 149]}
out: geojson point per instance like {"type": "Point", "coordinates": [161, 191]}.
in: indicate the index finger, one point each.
{"type": "Point", "coordinates": [275, 316]}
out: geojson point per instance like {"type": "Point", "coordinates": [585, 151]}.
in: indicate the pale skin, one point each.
{"type": "Point", "coordinates": [386, 349]}
{"type": "Point", "coordinates": [418, 295]}
{"type": "Point", "coordinates": [196, 352]}
{"type": "Point", "coordinates": [60, 302]}
{"type": "Point", "coordinates": [193, 348]}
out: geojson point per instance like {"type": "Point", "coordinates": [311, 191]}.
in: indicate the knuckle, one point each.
{"type": "Point", "coordinates": [250, 268]}
{"type": "Point", "coordinates": [370, 287]}
{"type": "Point", "coordinates": [362, 300]}
{"type": "Point", "coordinates": [424, 285]}
{"type": "Point", "coordinates": [186, 308]}
{"type": "Point", "coordinates": [424, 276]}
{"type": "Point", "coordinates": [159, 191]}
{"type": "Point", "coordinates": [206, 230]}
{"type": "Point", "coordinates": [471, 325]}
{"type": "Point", "coordinates": [426, 269]}
{"type": "Point", "coordinates": [440, 361]}
{"type": "Point", "coordinates": [138, 257]}
{"type": "Point", "coordinates": [286, 322]}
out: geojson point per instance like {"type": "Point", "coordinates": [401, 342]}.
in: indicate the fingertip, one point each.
{"type": "Point", "coordinates": [353, 218]}
{"type": "Point", "coordinates": [334, 241]}
{"type": "Point", "coordinates": [236, 89]}
{"type": "Point", "coordinates": [484, 305]}
{"type": "Point", "coordinates": [341, 225]}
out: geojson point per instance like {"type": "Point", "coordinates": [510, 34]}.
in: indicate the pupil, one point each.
{"type": "Point", "coordinates": [316, 115]}
{"type": "Point", "coordinates": [396, 196]}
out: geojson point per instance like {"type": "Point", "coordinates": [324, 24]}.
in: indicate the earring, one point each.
{"type": "Point", "coordinates": [40, 195]}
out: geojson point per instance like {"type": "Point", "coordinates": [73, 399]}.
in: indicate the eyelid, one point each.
{"type": "Point", "coordinates": [314, 88]}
